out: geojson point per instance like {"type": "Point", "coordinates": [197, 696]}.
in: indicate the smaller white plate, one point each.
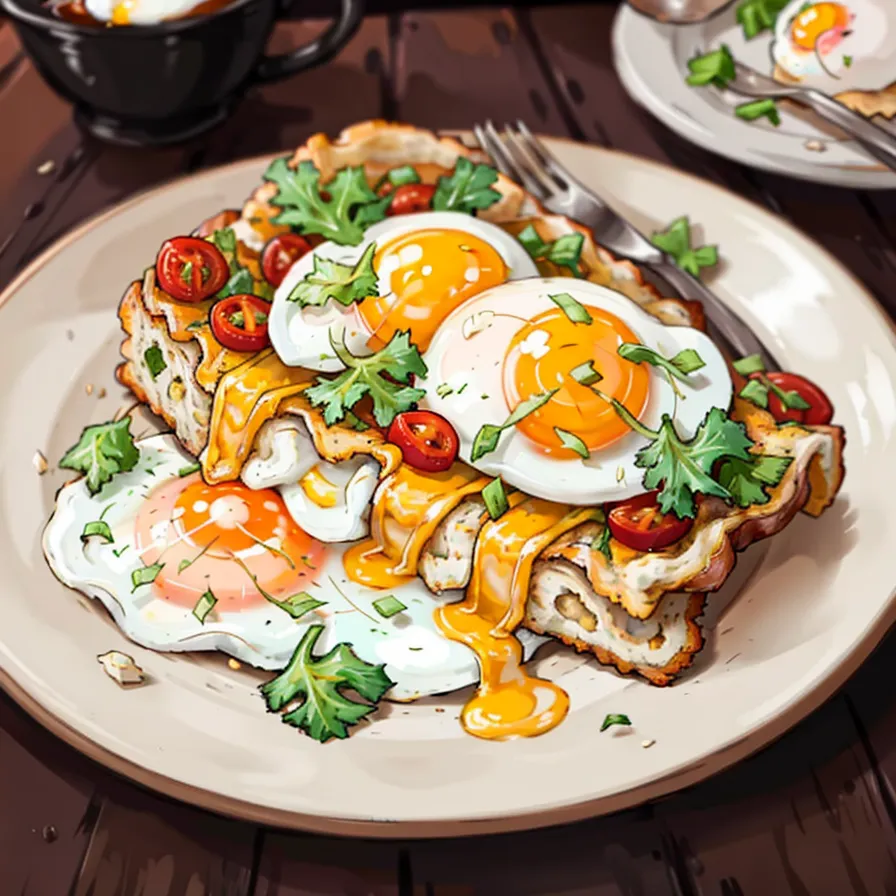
{"type": "Point", "coordinates": [651, 61]}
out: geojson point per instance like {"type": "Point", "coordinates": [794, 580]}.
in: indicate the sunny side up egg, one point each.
{"type": "Point", "coordinates": [837, 47]}
{"type": "Point", "coordinates": [181, 565]}
{"type": "Point", "coordinates": [138, 12]}
{"type": "Point", "coordinates": [514, 343]}
{"type": "Point", "coordinates": [426, 265]}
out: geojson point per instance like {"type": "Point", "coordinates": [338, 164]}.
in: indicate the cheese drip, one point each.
{"type": "Point", "coordinates": [509, 702]}
{"type": "Point", "coordinates": [246, 398]}
{"type": "Point", "coordinates": [407, 509]}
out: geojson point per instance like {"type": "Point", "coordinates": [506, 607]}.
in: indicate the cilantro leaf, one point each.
{"type": "Point", "coordinates": [682, 469]}
{"type": "Point", "coordinates": [685, 362]}
{"type": "Point", "coordinates": [715, 67]}
{"type": "Point", "coordinates": [337, 395]}
{"type": "Point", "coordinates": [746, 480]}
{"type": "Point", "coordinates": [615, 718]}
{"type": "Point", "coordinates": [466, 189]}
{"type": "Point", "coordinates": [675, 241]}
{"type": "Point", "coordinates": [334, 217]}
{"type": "Point", "coordinates": [565, 251]}
{"type": "Point", "coordinates": [225, 241]}
{"type": "Point", "coordinates": [333, 280]}
{"type": "Point", "coordinates": [102, 451]}
{"type": "Point", "coordinates": [756, 109]}
{"type": "Point", "coordinates": [486, 439]}
{"type": "Point", "coordinates": [320, 683]}
{"type": "Point", "coordinates": [756, 16]}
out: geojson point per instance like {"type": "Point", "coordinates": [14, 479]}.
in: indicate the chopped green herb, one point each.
{"type": "Point", "coordinates": [102, 451]}
{"type": "Point", "coordinates": [461, 389]}
{"type": "Point", "coordinates": [756, 16]}
{"type": "Point", "coordinates": [186, 273]}
{"type": "Point", "coordinates": [466, 189]}
{"type": "Point", "coordinates": [715, 67]}
{"type": "Point", "coordinates": [756, 109]}
{"type": "Point", "coordinates": [155, 360]}
{"type": "Point", "coordinates": [486, 439]}
{"type": "Point", "coordinates": [388, 606]}
{"type": "Point", "coordinates": [603, 544]}
{"type": "Point", "coordinates": [188, 470]}
{"type": "Point", "coordinates": [532, 242]}
{"type": "Point", "coordinates": [300, 604]}
{"type": "Point", "coordinates": [679, 366]}
{"type": "Point", "coordinates": [747, 480]}
{"type": "Point", "coordinates": [197, 325]}
{"type": "Point", "coordinates": [184, 564]}
{"type": "Point", "coordinates": [341, 282]}
{"type": "Point", "coordinates": [335, 218]}
{"type": "Point", "coordinates": [675, 241]}
{"type": "Point", "coordinates": [241, 282]}
{"type": "Point", "coordinates": [748, 365]}
{"type": "Point", "coordinates": [572, 308]}
{"type": "Point", "coordinates": [615, 719]}
{"type": "Point", "coordinates": [585, 374]}
{"type": "Point", "coordinates": [847, 61]}
{"type": "Point", "coordinates": [398, 177]}
{"type": "Point", "coordinates": [355, 422]}
{"type": "Point", "coordinates": [495, 498]}
{"type": "Point", "coordinates": [238, 319]}
{"type": "Point", "coordinates": [573, 442]}
{"type": "Point", "coordinates": [98, 529]}
{"type": "Point", "coordinates": [565, 251]}
{"type": "Point", "coordinates": [325, 711]}
{"type": "Point", "coordinates": [145, 575]}
{"type": "Point", "coordinates": [756, 392]}
{"type": "Point", "coordinates": [364, 375]}
{"type": "Point", "coordinates": [443, 390]}
{"type": "Point", "coordinates": [224, 240]}
{"type": "Point", "coordinates": [204, 606]}
{"type": "Point", "coordinates": [121, 550]}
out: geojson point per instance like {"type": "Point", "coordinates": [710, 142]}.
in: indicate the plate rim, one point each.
{"type": "Point", "coordinates": [659, 787]}
{"type": "Point", "coordinates": [870, 177]}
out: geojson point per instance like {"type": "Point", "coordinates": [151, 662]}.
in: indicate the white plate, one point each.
{"type": "Point", "coordinates": [651, 61]}
{"type": "Point", "coordinates": [818, 598]}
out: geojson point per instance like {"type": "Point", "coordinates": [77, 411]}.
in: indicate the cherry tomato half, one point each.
{"type": "Point", "coordinates": [640, 524]}
{"type": "Point", "coordinates": [820, 410]}
{"type": "Point", "coordinates": [428, 442]}
{"type": "Point", "coordinates": [409, 198]}
{"type": "Point", "coordinates": [191, 269]}
{"type": "Point", "coordinates": [240, 323]}
{"type": "Point", "coordinates": [280, 254]}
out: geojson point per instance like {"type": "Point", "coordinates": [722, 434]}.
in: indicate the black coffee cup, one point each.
{"type": "Point", "coordinates": [148, 85]}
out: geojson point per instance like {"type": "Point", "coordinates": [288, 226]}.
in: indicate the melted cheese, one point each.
{"type": "Point", "coordinates": [319, 489]}
{"type": "Point", "coordinates": [407, 509]}
{"type": "Point", "coordinates": [509, 702]}
{"type": "Point", "coordinates": [246, 398]}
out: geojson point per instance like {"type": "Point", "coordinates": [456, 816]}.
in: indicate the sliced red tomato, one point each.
{"type": "Point", "coordinates": [410, 198]}
{"type": "Point", "coordinates": [280, 254]}
{"type": "Point", "coordinates": [191, 269]}
{"type": "Point", "coordinates": [639, 524]}
{"type": "Point", "coordinates": [427, 441]}
{"type": "Point", "coordinates": [240, 323]}
{"type": "Point", "coordinates": [820, 410]}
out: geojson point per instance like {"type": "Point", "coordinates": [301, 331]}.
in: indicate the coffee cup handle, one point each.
{"type": "Point", "coordinates": [322, 48]}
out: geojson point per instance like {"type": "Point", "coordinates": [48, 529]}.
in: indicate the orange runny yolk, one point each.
{"type": "Point", "coordinates": [542, 356]}
{"type": "Point", "coordinates": [816, 20]}
{"type": "Point", "coordinates": [430, 273]}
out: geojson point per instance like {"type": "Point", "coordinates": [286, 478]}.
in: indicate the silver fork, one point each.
{"type": "Point", "coordinates": [873, 139]}
{"type": "Point", "coordinates": [523, 158]}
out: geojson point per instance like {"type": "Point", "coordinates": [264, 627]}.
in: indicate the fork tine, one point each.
{"type": "Point", "coordinates": [495, 150]}
{"type": "Point", "coordinates": [560, 175]}
{"type": "Point", "coordinates": [534, 177]}
{"type": "Point", "coordinates": [509, 163]}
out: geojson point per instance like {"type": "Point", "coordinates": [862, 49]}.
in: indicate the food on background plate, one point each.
{"type": "Point", "coordinates": [419, 428]}
{"type": "Point", "coordinates": [103, 13]}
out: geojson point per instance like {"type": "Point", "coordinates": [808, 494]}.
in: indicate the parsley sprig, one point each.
{"type": "Point", "coordinates": [687, 361]}
{"type": "Point", "coordinates": [467, 189]}
{"type": "Point", "coordinates": [103, 450]}
{"type": "Point", "coordinates": [757, 389]}
{"type": "Point", "coordinates": [333, 280]}
{"type": "Point", "coordinates": [320, 683]}
{"type": "Point", "coordinates": [675, 241]}
{"type": "Point", "coordinates": [398, 360]}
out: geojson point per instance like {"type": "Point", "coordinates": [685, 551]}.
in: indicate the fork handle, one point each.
{"type": "Point", "coordinates": [732, 329]}
{"type": "Point", "coordinates": [873, 139]}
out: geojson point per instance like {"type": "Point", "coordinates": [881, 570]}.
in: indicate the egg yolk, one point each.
{"type": "Point", "coordinates": [430, 273]}
{"type": "Point", "coordinates": [817, 20]}
{"type": "Point", "coordinates": [238, 543]}
{"type": "Point", "coordinates": [542, 356]}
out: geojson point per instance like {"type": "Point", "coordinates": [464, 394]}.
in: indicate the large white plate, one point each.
{"type": "Point", "coordinates": [817, 600]}
{"type": "Point", "coordinates": [651, 61]}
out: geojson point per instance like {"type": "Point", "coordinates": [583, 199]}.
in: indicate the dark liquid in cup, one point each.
{"type": "Point", "coordinates": [75, 11]}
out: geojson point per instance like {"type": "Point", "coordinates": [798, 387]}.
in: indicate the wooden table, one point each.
{"type": "Point", "coordinates": [814, 814]}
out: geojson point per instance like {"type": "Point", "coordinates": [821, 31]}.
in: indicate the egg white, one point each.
{"type": "Point", "coordinates": [865, 59]}
{"type": "Point", "coordinates": [285, 453]}
{"type": "Point", "coordinates": [141, 12]}
{"type": "Point", "coordinates": [463, 384]}
{"type": "Point", "coordinates": [418, 658]}
{"type": "Point", "coordinates": [301, 336]}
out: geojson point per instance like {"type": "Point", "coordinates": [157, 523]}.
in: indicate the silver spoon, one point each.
{"type": "Point", "coordinates": [678, 12]}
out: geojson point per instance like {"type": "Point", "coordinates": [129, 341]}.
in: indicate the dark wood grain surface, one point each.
{"type": "Point", "coordinates": [813, 814]}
